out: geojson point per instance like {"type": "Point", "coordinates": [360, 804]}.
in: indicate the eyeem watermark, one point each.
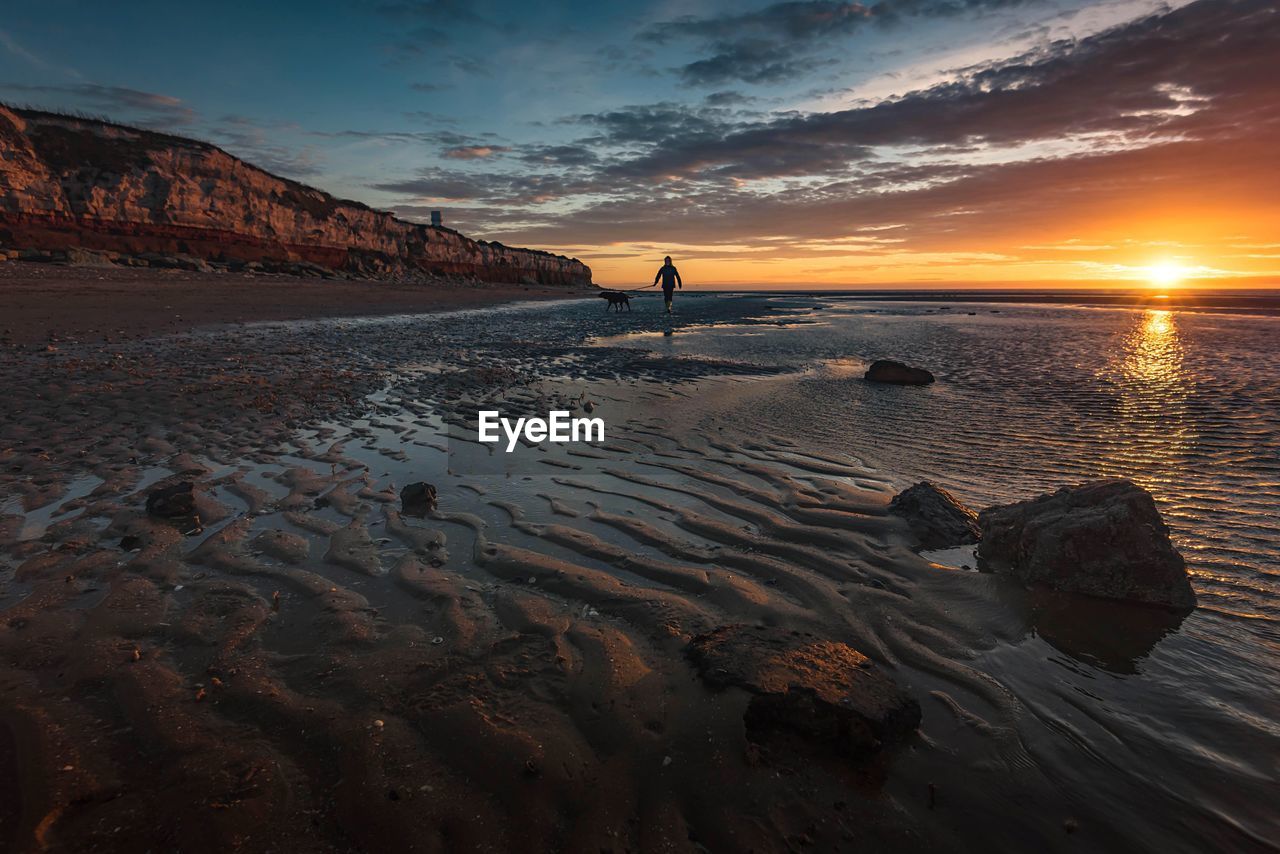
{"type": "Point", "coordinates": [559, 426]}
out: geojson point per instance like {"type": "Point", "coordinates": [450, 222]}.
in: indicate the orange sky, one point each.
{"type": "Point", "coordinates": [1145, 218]}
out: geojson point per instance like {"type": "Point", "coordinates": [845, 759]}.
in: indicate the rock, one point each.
{"type": "Point", "coordinates": [1104, 538]}
{"type": "Point", "coordinates": [889, 371]}
{"type": "Point", "coordinates": [77, 257]}
{"type": "Point", "coordinates": [131, 543]}
{"type": "Point", "coordinates": [937, 519]}
{"type": "Point", "coordinates": [418, 499]}
{"type": "Point", "coordinates": [827, 693]}
{"type": "Point", "coordinates": [177, 501]}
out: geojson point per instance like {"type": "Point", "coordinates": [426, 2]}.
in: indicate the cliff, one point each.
{"type": "Point", "coordinates": [68, 182]}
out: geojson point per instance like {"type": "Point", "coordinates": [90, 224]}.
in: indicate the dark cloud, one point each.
{"type": "Point", "coordinates": [559, 155]}
{"type": "Point", "coordinates": [748, 61]}
{"type": "Point", "coordinates": [498, 188]}
{"type": "Point", "coordinates": [1160, 108]}
{"type": "Point", "coordinates": [656, 123]}
{"type": "Point", "coordinates": [1150, 80]}
{"type": "Point", "coordinates": [793, 20]}
{"type": "Point", "coordinates": [1152, 112]}
{"type": "Point", "coordinates": [777, 42]}
{"type": "Point", "coordinates": [727, 98]}
{"type": "Point", "coordinates": [147, 109]}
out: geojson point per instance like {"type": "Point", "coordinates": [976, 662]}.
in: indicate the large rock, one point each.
{"type": "Point", "coordinates": [896, 373]}
{"type": "Point", "coordinates": [1104, 538]}
{"type": "Point", "coordinates": [937, 519]}
{"type": "Point", "coordinates": [825, 692]}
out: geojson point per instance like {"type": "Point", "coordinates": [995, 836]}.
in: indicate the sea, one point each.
{"type": "Point", "coordinates": [1169, 728]}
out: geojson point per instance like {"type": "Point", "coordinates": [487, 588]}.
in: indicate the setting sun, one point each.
{"type": "Point", "coordinates": [1166, 274]}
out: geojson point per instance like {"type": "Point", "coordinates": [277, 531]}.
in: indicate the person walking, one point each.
{"type": "Point", "coordinates": [670, 277]}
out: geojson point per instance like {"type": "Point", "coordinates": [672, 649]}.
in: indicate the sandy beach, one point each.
{"type": "Point", "coordinates": [304, 666]}
{"type": "Point", "coordinates": [109, 302]}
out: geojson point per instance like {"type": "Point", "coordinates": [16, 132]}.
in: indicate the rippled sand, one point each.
{"type": "Point", "coordinates": [310, 669]}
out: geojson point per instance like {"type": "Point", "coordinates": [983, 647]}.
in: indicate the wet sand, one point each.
{"type": "Point", "coordinates": [42, 302]}
{"type": "Point", "coordinates": [307, 668]}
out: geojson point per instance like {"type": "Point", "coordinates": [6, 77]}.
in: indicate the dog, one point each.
{"type": "Point", "coordinates": [616, 299]}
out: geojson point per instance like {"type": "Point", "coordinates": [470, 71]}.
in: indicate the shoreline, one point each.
{"type": "Point", "coordinates": [46, 303]}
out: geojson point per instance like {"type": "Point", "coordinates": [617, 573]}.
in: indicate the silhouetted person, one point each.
{"type": "Point", "coordinates": [670, 278]}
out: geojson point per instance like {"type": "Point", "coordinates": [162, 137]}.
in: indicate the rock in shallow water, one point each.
{"type": "Point", "coordinates": [937, 519]}
{"type": "Point", "coordinates": [896, 373]}
{"type": "Point", "coordinates": [1104, 538]}
{"type": "Point", "coordinates": [825, 692]}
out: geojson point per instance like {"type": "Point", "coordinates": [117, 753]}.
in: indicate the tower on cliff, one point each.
{"type": "Point", "coordinates": [437, 218]}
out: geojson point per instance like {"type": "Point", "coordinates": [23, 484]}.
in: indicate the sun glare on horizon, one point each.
{"type": "Point", "coordinates": [1166, 274]}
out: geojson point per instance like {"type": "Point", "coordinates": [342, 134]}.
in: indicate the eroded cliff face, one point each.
{"type": "Point", "coordinates": [68, 182]}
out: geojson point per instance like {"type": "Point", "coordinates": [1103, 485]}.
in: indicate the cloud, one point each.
{"type": "Point", "coordinates": [250, 141]}
{"type": "Point", "coordinates": [559, 155]}
{"type": "Point", "coordinates": [147, 109]}
{"type": "Point", "coordinates": [474, 152]}
{"type": "Point", "coordinates": [1152, 81]}
{"type": "Point", "coordinates": [794, 20]}
{"type": "Point", "coordinates": [727, 98]}
{"type": "Point", "coordinates": [426, 27]}
{"type": "Point", "coordinates": [655, 123]}
{"type": "Point", "coordinates": [14, 47]}
{"type": "Point", "coordinates": [1144, 116]}
{"type": "Point", "coordinates": [471, 65]}
{"type": "Point", "coordinates": [496, 188]}
{"type": "Point", "coordinates": [748, 61]}
{"type": "Point", "coordinates": [778, 42]}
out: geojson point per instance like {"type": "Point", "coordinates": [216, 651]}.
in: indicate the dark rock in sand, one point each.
{"type": "Point", "coordinates": [896, 373]}
{"type": "Point", "coordinates": [418, 499]}
{"type": "Point", "coordinates": [131, 543]}
{"type": "Point", "coordinates": [1104, 538]}
{"type": "Point", "coordinates": [825, 692]}
{"type": "Point", "coordinates": [177, 501]}
{"type": "Point", "coordinates": [937, 519]}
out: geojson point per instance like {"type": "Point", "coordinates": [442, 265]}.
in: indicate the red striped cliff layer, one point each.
{"type": "Point", "coordinates": [68, 182]}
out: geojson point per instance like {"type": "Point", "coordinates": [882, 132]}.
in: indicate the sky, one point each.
{"type": "Point", "coordinates": [984, 143]}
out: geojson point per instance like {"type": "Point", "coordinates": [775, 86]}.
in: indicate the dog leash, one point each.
{"type": "Point", "coordinates": [628, 290]}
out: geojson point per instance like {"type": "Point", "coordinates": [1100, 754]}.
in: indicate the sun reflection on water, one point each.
{"type": "Point", "coordinates": [1151, 432]}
